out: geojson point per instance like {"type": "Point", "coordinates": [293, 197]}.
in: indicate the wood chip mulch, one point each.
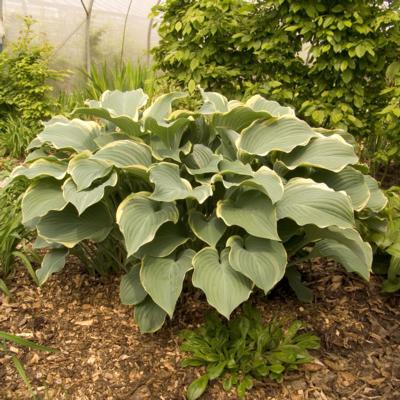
{"type": "Point", "coordinates": [103, 356]}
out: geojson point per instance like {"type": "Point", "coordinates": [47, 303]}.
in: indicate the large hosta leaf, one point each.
{"type": "Point", "coordinates": [266, 181]}
{"type": "Point", "coordinates": [229, 139]}
{"type": "Point", "coordinates": [224, 287]}
{"type": "Point", "coordinates": [162, 107]}
{"type": "Point", "coordinates": [76, 134]}
{"type": "Point", "coordinates": [149, 316]}
{"type": "Point", "coordinates": [308, 202]}
{"type": "Point", "coordinates": [209, 230]}
{"type": "Point", "coordinates": [84, 170]}
{"type": "Point", "coordinates": [125, 153]}
{"type": "Point", "coordinates": [169, 186]}
{"type": "Point", "coordinates": [120, 108]}
{"type": "Point", "coordinates": [349, 180]}
{"type": "Point", "coordinates": [140, 217]}
{"type": "Point", "coordinates": [40, 198]}
{"type": "Point", "coordinates": [40, 154]}
{"type": "Point", "coordinates": [133, 157]}
{"type": "Point", "coordinates": [42, 167]}
{"type": "Point", "coordinates": [161, 152]}
{"type": "Point", "coordinates": [166, 240]}
{"type": "Point", "coordinates": [68, 228]}
{"type": "Point", "coordinates": [331, 153]}
{"type": "Point", "coordinates": [252, 211]}
{"type": "Point", "coordinates": [238, 117]}
{"type": "Point", "coordinates": [258, 103]}
{"type": "Point", "coordinates": [261, 260]}
{"type": "Point", "coordinates": [282, 134]}
{"type": "Point", "coordinates": [236, 167]}
{"type": "Point", "coordinates": [169, 133]}
{"type": "Point", "coordinates": [343, 245]}
{"type": "Point", "coordinates": [202, 160]}
{"type": "Point", "coordinates": [163, 278]}
{"type": "Point", "coordinates": [124, 103]}
{"type": "Point", "coordinates": [131, 289]}
{"type": "Point", "coordinates": [53, 262]}
{"type": "Point", "coordinates": [213, 102]}
{"type": "Point", "coordinates": [85, 198]}
{"type": "Point", "coordinates": [377, 200]}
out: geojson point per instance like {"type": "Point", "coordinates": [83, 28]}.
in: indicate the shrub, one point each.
{"type": "Point", "coordinates": [244, 349]}
{"type": "Point", "coordinates": [24, 74]}
{"type": "Point", "coordinates": [233, 46]}
{"type": "Point", "coordinates": [232, 190]}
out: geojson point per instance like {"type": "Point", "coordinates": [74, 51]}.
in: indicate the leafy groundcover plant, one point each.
{"type": "Point", "coordinates": [244, 349]}
{"type": "Point", "coordinates": [235, 192]}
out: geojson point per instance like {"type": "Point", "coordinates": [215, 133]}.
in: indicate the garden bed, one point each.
{"type": "Point", "coordinates": [103, 356]}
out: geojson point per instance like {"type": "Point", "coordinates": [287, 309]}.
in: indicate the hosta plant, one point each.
{"type": "Point", "coordinates": [229, 197]}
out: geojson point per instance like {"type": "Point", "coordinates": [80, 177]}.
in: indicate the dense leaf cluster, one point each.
{"type": "Point", "coordinates": [233, 191]}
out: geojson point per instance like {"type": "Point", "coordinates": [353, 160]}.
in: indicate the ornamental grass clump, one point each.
{"type": "Point", "coordinates": [229, 197]}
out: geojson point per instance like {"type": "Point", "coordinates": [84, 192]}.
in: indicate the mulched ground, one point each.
{"type": "Point", "coordinates": [103, 356]}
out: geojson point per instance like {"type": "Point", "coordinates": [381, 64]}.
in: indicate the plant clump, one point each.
{"type": "Point", "coordinates": [244, 349]}
{"type": "Point", "coordinates": [230, 197]}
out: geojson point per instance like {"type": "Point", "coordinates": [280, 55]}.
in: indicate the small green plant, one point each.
{"type": "Point", "coordinates": [5, 340]}
{"type": "Point", "coordinates": [237, 192]}
{"type": "Point", "coordinates": [244, 349]}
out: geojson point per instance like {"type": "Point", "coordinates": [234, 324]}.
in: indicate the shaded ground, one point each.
{"type": "Point", "coordinates": [103, 356]}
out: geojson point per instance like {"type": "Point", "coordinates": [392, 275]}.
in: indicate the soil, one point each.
{"type": "Point", "coordinates": [103, 356]}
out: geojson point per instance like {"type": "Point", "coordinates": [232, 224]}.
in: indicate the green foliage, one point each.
{"type": "Point", "coordinates": [232, 191]}
{"type": "Point", "coordinates": [244, 349]}
{"type": "Point", "coordinates": [15, 137]}
{"type": "Point", "coordinates": [14, 237]}
{"type": "Point", "coordinates": [231, 46]}
{"type": "Point", "coordinates": [328, 59]}
{"type": "Point", "coordinates": [24, 75]}
{"type": "Point", "coordinates": [117, 76]}
{"type": "Point", "coordinates": [387, 144]}
{"type": "Point", "coordinates": [7, 338]}
{"type": "Point", "coordinates": [383, 231]}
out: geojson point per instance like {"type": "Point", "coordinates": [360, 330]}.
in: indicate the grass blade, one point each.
{"type": "Point", "coordinates": [25, 343]}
